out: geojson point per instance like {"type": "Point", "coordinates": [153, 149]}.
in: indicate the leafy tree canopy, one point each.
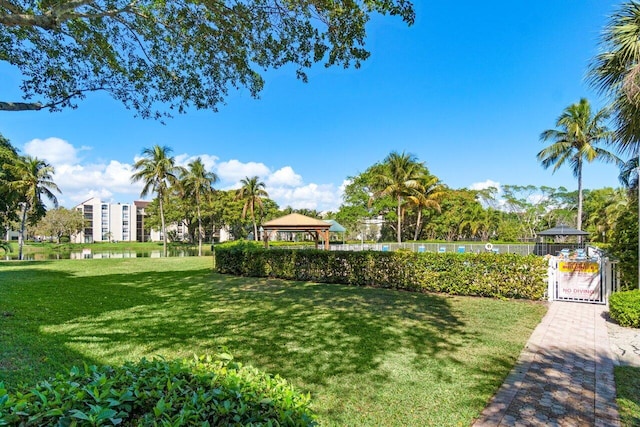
{"type": "Point", "coordinates": [181, 54]}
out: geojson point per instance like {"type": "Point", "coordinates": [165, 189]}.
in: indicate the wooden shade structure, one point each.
{"type": "Point", "coordinates": [317, 228]}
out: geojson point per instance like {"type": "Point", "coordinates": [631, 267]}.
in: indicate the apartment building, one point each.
{"type": "Point", "coordinates": [104, 222]}
{"type": "Point", "coordinates": [123, 222]}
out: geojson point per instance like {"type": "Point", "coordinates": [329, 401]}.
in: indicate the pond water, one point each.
{"type": "Point", "coordinates": [89, 254]}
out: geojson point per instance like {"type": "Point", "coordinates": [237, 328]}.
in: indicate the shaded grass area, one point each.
{"type": "Point", "coordinates": [628, 395]}
{"type": "Point", "coordinates": [368, 356]}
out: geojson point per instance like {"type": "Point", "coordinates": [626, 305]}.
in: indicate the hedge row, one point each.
{"type": "Point", "coordinates": [624, 308]}
{"type": "Point", "coordinates": [200, 392]}
{"type": "Point", "coordinates": [484, 274]}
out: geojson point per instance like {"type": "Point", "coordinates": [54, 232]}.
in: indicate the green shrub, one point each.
{"type": "Point", "coordinates": [483, 274]}
{"type": "Point", "coordinates": [624, 308]}
{"type": "Point", "coordinates": [202, 391]}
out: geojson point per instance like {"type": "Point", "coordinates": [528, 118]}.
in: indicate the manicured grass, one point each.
{"type": "Point", "coordinates": [628, 399]}
{"type": "Point", "coordinates": [367, 356]}
{"type": "Point", "coordinates": [49, 247]}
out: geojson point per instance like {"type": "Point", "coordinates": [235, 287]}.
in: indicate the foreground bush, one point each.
{"type": "Point", "coordinates": [200, 392]}
{"type": "Point", "coordinates": [624, 308]}
{"type": "Point", "coordinates": [484, 274]}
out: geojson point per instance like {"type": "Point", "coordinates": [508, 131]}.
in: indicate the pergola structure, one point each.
{"type": "Point", "coordinates": [295, 222]}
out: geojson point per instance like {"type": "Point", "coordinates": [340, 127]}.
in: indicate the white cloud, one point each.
{"type": "Point", "coordinates": [80, 180]}
{"type": "Point", "coordinates": [208, 160]}
{"type": "Point", "coordinates": [484, 185]}
{"type": "Point", "coordinates": [323, 197]}
{"type": "Point", "coordinates": [234, 170]}
{"type": "Point", "coordinates": [284, 176]}
{"type": "Point", "coordinates": [54, 150]}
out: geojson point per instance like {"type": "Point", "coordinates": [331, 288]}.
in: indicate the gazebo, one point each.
{"type": "Point", "coordinates": [336, 227]}
{"type": "Point", "coordinates": [317, 228]}
{"type": "Point", "coordinates": [559, 231]}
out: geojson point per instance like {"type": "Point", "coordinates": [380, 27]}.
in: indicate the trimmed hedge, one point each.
{"type": "Point", "coordinates": [624, 308]}
{"type": "Point", "coordinates": [200, 392]}
{"type": "Point", "coordinates": [484, 274]}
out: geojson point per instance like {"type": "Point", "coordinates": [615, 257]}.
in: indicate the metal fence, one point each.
{"type": "Point", "coordinates": [516, 248]}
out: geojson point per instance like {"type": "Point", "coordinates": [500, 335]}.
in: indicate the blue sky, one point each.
{"type": "Point", "coordinates": [468, 89]}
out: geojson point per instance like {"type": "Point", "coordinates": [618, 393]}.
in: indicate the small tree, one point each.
{"type": "Point", "coordinates": [157, 169]}
{"type": "Point", "coordinates": [252, 192]}
{"type": "Point", "coordinates": [60, 222]}
{"type": "Point", "coordinates": [197, 184]}
{"type": "Point", "coordinates": [32, 180]}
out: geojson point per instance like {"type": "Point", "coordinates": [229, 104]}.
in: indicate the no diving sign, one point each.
{"type": "Point", "coordinates": [578, 280]}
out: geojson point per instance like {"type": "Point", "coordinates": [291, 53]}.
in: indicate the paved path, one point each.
{"type": "Point", "coordinates": [564, 376]}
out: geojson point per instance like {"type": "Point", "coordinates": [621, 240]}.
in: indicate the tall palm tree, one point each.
{"type": "Point", "coordinates": [426, 196]}
{"type": "Point", "coordinates": [616, 73]}
{"type": "Point", "coordinates": [32, 178]}
{"type": "Point", "coordinates": [198, 184]}
{"type": "Point", "coordinates": [398, 176]}
{"type": "Point", "coordinates": [575, 141]}
{"type": "Point", "coordinates": [252, 191]}
{"type": "Point", "coordinates": [157, 169]}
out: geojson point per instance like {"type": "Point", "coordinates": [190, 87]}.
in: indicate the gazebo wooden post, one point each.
{"type": "Point", "coordinates": [265, 237]}
{"type": "Point", "coordinates": [326, 240]}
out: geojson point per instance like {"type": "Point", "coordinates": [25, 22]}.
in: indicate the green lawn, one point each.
{"type": "Point", "coordinates": [367, 356]}
{"type": "Point", "coordinates": [628, 390]}
{"type": "Point", "coordinates": [49, 247]}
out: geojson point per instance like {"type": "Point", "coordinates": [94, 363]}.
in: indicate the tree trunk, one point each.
{"type": "Point", "coordinates": [20, 106]}
{"type": "Point", "coordinates": [253, 219]}
{"type": "Point", "coordinates": [579, 225]}
{"type": "Point", "coordinates": [415, 236]}
{"type": "Point", "coordinates": [164, 228]}
{"type": "Point", "coordinates": [22, 225]}
{"type": "Point", "coordinates": [199, 228]}
{"type": "Point", "coordinates": [399, 231]}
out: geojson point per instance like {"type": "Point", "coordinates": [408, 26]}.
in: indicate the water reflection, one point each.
{"type": "Point", "coordinates": [90, 254]}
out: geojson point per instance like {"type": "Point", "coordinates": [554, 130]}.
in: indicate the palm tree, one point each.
{"type": "Point", "coordinates": [32, 180]}
{"type": "Point", "coordinates": [398, 176]}
{"type": "Point", "coordinates": [427, 195]}
{"type": "Point", "coordinates": [616, 73]}
{"type": "Point", "coordinates": [198, 184]}
{"type": "Point", "coordinates": [157, 169]}
{"type": "Point", "coordinates": [575, 141]}
{"type": "Point", "coordinates": [629, 173]}
{"type": "Point", "coordinates": [252, 191]}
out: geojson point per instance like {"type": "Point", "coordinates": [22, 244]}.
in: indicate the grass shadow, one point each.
{"type": "Point", "coordinates": [368, 356]}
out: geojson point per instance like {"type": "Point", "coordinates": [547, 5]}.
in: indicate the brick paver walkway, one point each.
{"type": "Point", "coordinates": [564, 376]}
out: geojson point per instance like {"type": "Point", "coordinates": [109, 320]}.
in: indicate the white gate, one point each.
{"type": "Point", "coordinates": [587, 276]}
